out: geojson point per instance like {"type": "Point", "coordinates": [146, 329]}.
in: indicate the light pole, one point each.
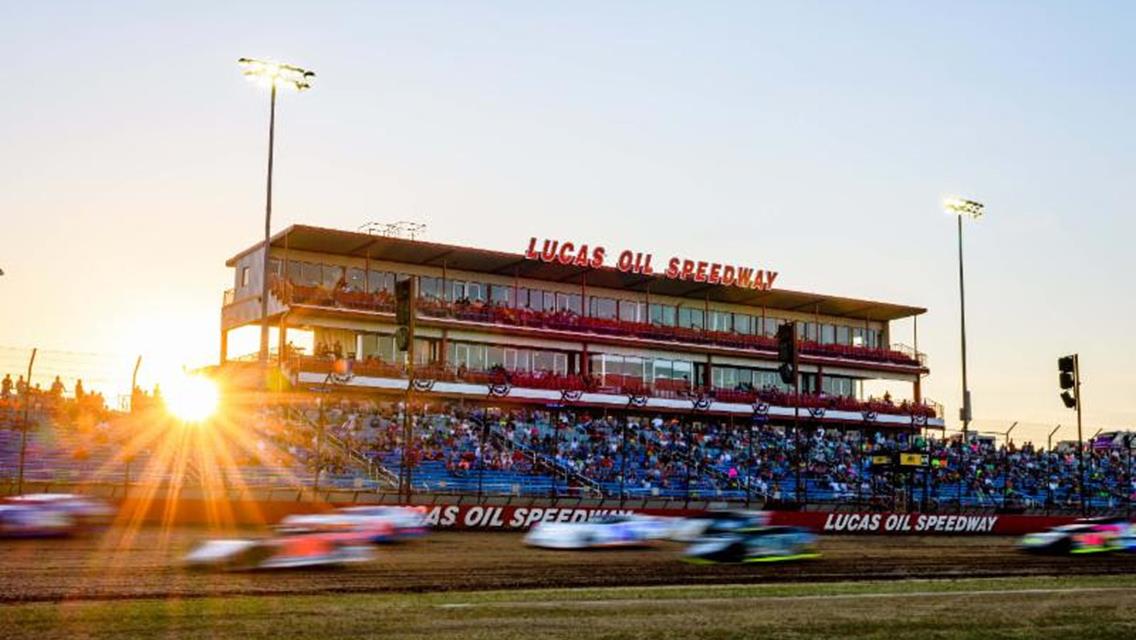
{"type": "Point", "coordinates": [962, 207]}
{"type": "Point", "coordinates": [272, 75]}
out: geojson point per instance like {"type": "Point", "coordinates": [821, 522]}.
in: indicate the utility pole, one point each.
{"type": "Point", "coordinates": [27, 422]}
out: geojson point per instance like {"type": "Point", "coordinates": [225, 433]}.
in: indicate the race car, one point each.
{"type": "Point", "coordinates": [41, 515]}
{"type": "Point", "coordinates": [283, 552]}
{"type": "Point", "coordinates": [690, 529]}
{"type": "Point", "coordinates": [1088, 535]}
{"type": "Point", "coordinates": [604, 532]}
{"type": "Point", "coordinates": [753, 544]}
{"type": "Point", "coordinates": [374, 525]}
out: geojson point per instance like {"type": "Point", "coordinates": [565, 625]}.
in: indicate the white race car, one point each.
{"type": "Point", "coordinates": [375, 525]}
{"type": "Point", "coordinates": [603, 532]}
{"type": "Point", "coordinates": [52, 514]}
{"type": "Point", "coordinates": [283, 552]}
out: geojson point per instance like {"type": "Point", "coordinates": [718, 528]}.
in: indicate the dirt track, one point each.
{"type": "Point", "coordinates": [144, 565]}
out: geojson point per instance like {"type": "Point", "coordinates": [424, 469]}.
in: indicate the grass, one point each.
{"type": "Point", "coordinates": [1073, 607]}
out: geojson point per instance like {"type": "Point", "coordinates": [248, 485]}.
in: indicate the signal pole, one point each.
{"type": "Point", "coordinates": [1080, 435]}
{"type": "Point", "coordinates": [1069, 368]}
{"type": "Point", "coordinates": [406, 299]}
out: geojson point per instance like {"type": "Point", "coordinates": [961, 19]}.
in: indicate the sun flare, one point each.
{"type": "Point", "coordinates": [191, 398]}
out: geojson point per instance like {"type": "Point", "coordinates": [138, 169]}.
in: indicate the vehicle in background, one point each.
{"type": "Point", "coordinates": [753, 544]}
{"type": "Point", "coordinates": [282, 552]}
{"type": "Point", "coordinates": [374, 525]}
{"type": "Point", "coordinates": [694, 527]}
{"type": "Point", "coordinates": [604, 532]}
{"type": "Point", "coordinates": [1089, 535]}
{"type": "Point", "coordinates": [38, 515]}
{"type": "Point", "coordinates": [1114, 440]}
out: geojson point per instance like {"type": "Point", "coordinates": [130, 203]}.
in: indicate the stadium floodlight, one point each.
{"type": "Point", "coordinates": [272, 75]}
{"type": "Point", "coordinates": [963, 207]}
{"type": "Point", "coordinates": [269, 73]}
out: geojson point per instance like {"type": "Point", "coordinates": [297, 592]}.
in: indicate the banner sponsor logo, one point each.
{"type": "Point", "coordinates": [677, 268]}
{"type": "Point", "coordinates": [908, 523]}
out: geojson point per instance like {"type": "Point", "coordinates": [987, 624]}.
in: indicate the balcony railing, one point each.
{"type": "Point", "coordinates": [383, 301]}
{"type": "Point", "coordinates": [611, 384]}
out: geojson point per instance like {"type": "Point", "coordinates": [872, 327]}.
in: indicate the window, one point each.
{"type": "Point", "coordinates": [858, 336]}
{"type": "Point", "coordinates": [663, 315]}
{"type": "Point", "coordinates": [518, 359]}
{"type": "Point", "coordinates": [568, 302]}
{"type": "Point", "coordinates": [430, 288]}
{"type": "Point", "coordinates": [827, 334]}
{"type": "Point", "coordinates": [838, 386]}
{"type": "Point", "coordinates": [312, 275]}
{"type": "Point", "coordinates": [380, 281]}
{"type": "Point", "coordinates": [501, 295]}
{"type": "Point", "coordinates": [494, 357]}
{"type": "Point", "coordinates": [602, 308]}
{"type": "Point", "coordinates": [274, 266]}
{"type": "Point", "coordinates": [356, 279]}
{"type": "Point", "coordinates": [721, 321]}
{"type": "Point", "coordinates": [331, 275]}
{"type": "Point", "coordinates": [842, 334]}
{"type": "Point", "coordinates": [245, 276]}
{"type": "Point", "coordinates": [550, 361]}
{"type": "Point", "coordinates": [771, 326]}
{"type": "Point", "coordinates": [743, 323]}
{"type": "Point", "coordinates": [631, 311]}
{"type": "Point", "coordinates": [690, 318]}
{"type": "Point", "coordinates": [633, 366]}
{"type": "Point", "coordinates": [683, 370]}
{"type": "Point", "coordinates": [373, 345]}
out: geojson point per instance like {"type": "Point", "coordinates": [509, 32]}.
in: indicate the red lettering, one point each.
{"type": "Point", "coordinates": [582, 257]}
{"type": "Point", "coordinates": [700, 274]}
{"type": "Point", "coordinates": [728, 275]}
{"type": "Point", "coordinates": [687, 269]}
{"type": "Point", "coordinates": [770, 276]}
{"type": "Point", "coordinates": [531, 253]}
{"type": "Point", "coordinates": [715, 273]}
{"type": "Point", "coordinates": [566, 249]}
{"type": "Point", "coordinates": [597, 257]}
{"type": "Point", "coordinates": [625, 261]}
{"type": "Point", "coordinates": [647, 270]}
{"type": "Point", "coordinates": [745, 277]}
{"type": "Point", "coordinates": [672, 269]}
{"type": "Point", "coordinates": [548, 253]}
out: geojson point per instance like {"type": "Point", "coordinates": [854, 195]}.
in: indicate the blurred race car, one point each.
{"type": "Point", "coordinates": [375, 525]}
{"type": "Point", "coordinates": [39, 515]}
{"type": "Point", "coordinates": [690, 529]}
{"type": "Point", "coordinates": [1089, 535]}
{"type": "Point", "coordinates": [603, 532]}
{"type": "Point", "coordinates": [753, 544]}
{"type": "Point", "coordinates": [282, 552]}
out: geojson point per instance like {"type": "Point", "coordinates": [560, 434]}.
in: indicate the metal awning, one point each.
{"type": "Point", "coordinates": [363, 245]}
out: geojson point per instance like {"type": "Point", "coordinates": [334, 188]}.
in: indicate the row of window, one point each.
{"type": "Point", "coordinates": [693, 317]}
{"type": "Point", "coordinates": [483, 357]}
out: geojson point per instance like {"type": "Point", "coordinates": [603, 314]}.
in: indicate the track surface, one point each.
{"type": "Point", "coordinates": [144, 564]}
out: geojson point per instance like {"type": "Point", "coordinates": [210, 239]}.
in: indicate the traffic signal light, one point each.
{"type": "Point", "coordinates": [1067, 367]}
{"type": "Point", "coordinates": [787, 352]}
{"type": "Point", "coordinates": [404, 312]}
{"type": "Point", "coordinates": [1067, 370]}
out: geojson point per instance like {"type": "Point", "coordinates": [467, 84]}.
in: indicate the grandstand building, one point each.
{"type": "Point", "coordinates": [561, 324]}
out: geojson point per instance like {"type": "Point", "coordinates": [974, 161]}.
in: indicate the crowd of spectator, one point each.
{"type": "Point", "coordinates": [659, 455]}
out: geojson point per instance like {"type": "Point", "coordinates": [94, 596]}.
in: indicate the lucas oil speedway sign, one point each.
{"type": "Point", "coordinates": [520, 518]}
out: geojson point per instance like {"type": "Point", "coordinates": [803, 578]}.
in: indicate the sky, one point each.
{"type": "Point", "coordinates": [815, 138]}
